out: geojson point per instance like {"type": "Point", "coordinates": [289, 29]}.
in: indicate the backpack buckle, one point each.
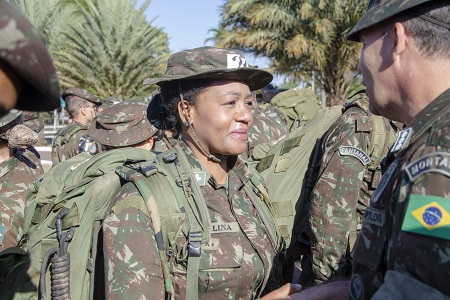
{"type": "Point", "coordinates": [194, 244]}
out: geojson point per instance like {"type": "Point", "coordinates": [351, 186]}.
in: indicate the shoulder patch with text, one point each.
{"type": "Point", "coordinates": [434, 162]}
{"type": "Point", "coordinates": [355, 152]}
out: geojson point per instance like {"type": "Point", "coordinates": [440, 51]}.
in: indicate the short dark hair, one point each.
{"type": "Point", "coordinates": [74, 103]}
{"type": "Point", "coordinates": [170, 96]}
{"type": "Point", "coordinates": [431, 39]}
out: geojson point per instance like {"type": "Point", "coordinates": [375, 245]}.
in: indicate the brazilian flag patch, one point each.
{"type": "Point", "coordinates": [428, 215]}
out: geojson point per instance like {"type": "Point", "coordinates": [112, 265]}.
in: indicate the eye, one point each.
{"type": "Point", "coordinates": [230, 102]}
{"type": "Point", "coordinates": [250, 103]}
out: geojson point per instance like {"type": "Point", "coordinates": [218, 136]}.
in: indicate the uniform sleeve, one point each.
{"type": "Point", "coordinates": [132, 264]}
{"type": "Point", "coordinates": [335, 196]}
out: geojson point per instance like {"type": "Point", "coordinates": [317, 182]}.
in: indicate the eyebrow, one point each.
{"type": "Point", "coordinates": [235, 94]}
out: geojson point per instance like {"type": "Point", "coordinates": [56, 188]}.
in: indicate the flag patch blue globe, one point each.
{"type": "Point", "coordinates": [432, 215]}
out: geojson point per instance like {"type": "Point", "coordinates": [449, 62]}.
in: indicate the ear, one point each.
{"type": "Point", "coordinates": [83, 110]}
{"type": "Point", "coordinates": [149, 144]}
{"type": "Point", "coordinates": [401, 41]}
{"type": "Point", "coordinates": [184, 111]}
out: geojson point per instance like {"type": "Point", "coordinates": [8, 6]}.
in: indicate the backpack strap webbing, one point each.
{"type": "Point", "coordinates": [198, 218]}
{"type": "Point", "coordinates": [264, 208]}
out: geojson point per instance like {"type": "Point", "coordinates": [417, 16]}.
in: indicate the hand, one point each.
{"type": "Point", "coordinates": [283, 292]}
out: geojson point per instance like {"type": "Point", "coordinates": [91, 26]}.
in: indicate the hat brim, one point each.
{"type": "Point", "coordinates": [32, 63]}
{"type": "Point", "coordinates": [254, 78]}
{"type": "Point", "coordinates": [379, 14]}
{"type": "Point", "coordinates": [120, 139]}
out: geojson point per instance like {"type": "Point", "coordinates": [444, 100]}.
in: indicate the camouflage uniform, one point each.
{"type": "Point", "coordinates": [265, 129]}
{"type": "Point", "coordinates": [403, 248]}
{"type": "Point", "coordinates": [406, 229]}
{"type": "Point", "coordinates": [341, 193]}
{"type": "Point", "coordinates": [73, 139]}
{"type": "Point", "coordinates": [239, 258]}
{"type": "Point", "coordinates": [273, 112]}
{"type": "Point", "coordinates": [17, 175]}
{"type": "Point", "coordinates": [241, 265]}
{"type": "Point", "coordinates": [24, 50]}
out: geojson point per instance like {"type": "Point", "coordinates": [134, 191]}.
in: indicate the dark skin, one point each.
{"type": "Point", "coordinates": [10, 87]}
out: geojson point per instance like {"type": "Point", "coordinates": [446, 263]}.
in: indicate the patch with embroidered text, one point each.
{"type": "Point", "coordinates": [2, 233]}
{"type": "Point", "coordinates": [428, 215]}
{"type": "Point", "coordinates": [374, 216]}
{"type": "Point", "coordinates": [201, 178]}
{"type": "Point", "coordinates": [355, 152]}
{"type": "Point", "coordinates": [225, 227]}
{"type": "Point", "coordinates": [434, 162]}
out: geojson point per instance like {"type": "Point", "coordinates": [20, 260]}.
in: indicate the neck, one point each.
{"type": "Point", "coordinates": [5, 152]}
{"type": "Point", "coordinates": [428, 79]}
{"type": "Point", "coordinates": [218, 170]}
{"type": "Point", "coordinates": [81, 120]}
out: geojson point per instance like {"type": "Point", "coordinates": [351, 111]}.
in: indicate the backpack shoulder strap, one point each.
{"type": "Point", "coordinates": [178, 177]}
{"type": "Point", "coordinates": [264, 207]}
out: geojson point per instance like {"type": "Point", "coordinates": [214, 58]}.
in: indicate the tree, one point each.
{"type": "Point", "coordinates": [305, 39]}
{"type": "Point", "coordinates": [104, 46]}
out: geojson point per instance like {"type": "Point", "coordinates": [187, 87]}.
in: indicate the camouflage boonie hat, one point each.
{"type": "Point", "coordinates": [10, 120]}
{"type": "Point", "coordinates": [23, 49]}
{"type": "Point", "coordinates": [212, 63]}
{"type": "Point", "coordinates": [110, 101]}
{"type": "Point", "coordinates": [123, 124]}
{"type": "Point", "coordinates": [379, 11]}
{"type": "Point", "coordinates": [82, 93]}
{"type": "Point", "coordinates": [33, 120]}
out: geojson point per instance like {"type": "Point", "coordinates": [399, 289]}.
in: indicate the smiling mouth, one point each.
{"type": "Point", "coordinates": [240, 135]}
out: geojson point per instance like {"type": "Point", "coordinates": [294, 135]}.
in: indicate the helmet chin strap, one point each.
{"type": "Point", "coordinates": [194, 135]}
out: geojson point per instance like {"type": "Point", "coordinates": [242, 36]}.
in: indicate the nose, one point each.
{"type": "Point", "coordinates": [244, 114]}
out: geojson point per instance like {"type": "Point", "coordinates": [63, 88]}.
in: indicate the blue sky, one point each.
{"type": "Point", "coordinates": [187, 22]}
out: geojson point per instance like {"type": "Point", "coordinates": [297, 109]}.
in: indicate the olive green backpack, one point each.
{"type": "Point", "coordinates": [298, 106]}
{"type": "Point", "coordinates": [62, 223]}
{"type": "Point", "coordinates": [175, 203]}
{"type": "Point", "coordinates": [290, 167]}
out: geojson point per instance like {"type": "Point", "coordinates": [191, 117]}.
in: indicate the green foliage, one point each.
{"type": "Point", "coordinates": [305, 39]}
{"type": "Point", "coordinates": [104, 46]}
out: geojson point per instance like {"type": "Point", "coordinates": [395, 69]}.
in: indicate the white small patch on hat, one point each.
{"type": "Point", "coordinates": [235, 61]}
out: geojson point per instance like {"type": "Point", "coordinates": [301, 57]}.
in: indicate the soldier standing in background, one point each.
{"type": "Point", "coordinates": [402, 249]}
{"type": "Point", "coordinates": [71, 140]}
{"type": "Point", "coordinates": [17, 173]}
{"type": "Point", "coordinates": [28, 79]}
{"type": "Point", "coordinates": [348, 172]}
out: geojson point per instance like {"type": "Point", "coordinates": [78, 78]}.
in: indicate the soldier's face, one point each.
{"type": "Point", "coordinates": [10, 86]}
{"type": "Point", "coordinates": [375, 66]}
{"type": "Point", "coordinates": [222, 117]}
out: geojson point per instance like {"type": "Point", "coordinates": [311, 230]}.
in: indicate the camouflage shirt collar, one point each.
{"type": "Point", "coordinates": [235, 164]}
{"type": "Point", "coordinates": [431, 114]}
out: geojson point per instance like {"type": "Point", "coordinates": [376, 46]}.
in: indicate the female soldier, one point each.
{"type": "Point", "coordinates": [206, 94]}
{"type": "Point", "coordinates": [17, 173]}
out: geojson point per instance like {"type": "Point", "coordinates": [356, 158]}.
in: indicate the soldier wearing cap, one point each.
{"type": "Point", "coordinates": [403, 247]}
{"type": "Point", "coordinates": [27, 76]}
{"type": "Point", "coordinates": [124, 124]}
{"type": "Point", "coordinates": [71, 140]}
{"type": "Point", "coordinates": [17, 173]}
{"type": "Point", "coordinates": [206, 95]}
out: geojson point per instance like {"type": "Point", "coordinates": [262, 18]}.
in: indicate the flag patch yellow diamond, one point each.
{"type": "Point", "coordinates": [432, 216]}
{"type": "Point", "coordinates": [428, 215]}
